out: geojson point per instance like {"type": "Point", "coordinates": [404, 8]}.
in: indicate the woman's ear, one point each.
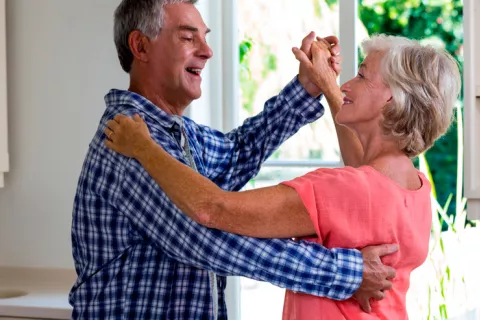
{"type": "Point", "coordinates": [138, 44]}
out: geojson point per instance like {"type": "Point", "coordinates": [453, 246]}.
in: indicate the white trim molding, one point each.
{"type": "Point", "coordinates": [472, 107]}
{"type": "Point", "coordinates": [348, 16]}
{"type": "Point", "coordinates": [4, 158]}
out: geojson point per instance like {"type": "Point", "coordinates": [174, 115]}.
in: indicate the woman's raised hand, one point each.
{"type": "Point", "coordinates": [319, 69]}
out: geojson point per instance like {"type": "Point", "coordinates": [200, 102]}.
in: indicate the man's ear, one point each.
{"type": "Point", "coordinates": [138, 44]}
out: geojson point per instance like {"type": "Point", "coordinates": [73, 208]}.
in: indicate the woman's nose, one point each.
{"type": "Point", "coordinates": [346, 86]}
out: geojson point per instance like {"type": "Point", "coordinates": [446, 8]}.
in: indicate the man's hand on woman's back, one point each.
{"type": "Point", "coordinates": [376, 276]}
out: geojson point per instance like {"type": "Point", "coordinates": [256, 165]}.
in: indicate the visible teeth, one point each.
{"type": "Point", "coordinates": [197, 71]}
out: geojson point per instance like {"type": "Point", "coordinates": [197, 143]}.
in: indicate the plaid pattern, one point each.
{"type": "Point", "coordinates": [138, 257]}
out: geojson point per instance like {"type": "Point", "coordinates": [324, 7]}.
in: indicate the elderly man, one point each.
{"type": "Point", "coordinates": [137, 256]}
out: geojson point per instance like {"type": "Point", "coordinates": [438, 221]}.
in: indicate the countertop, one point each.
{"type": "Point", "coordinates": [45, 292]}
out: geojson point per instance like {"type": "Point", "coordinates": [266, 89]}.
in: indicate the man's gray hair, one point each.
{"type": "Point", "coordinates": [147, 16]}
{"type": "Point", "coordinates": [425, 83]}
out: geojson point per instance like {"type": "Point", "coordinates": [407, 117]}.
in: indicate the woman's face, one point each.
{"type": "Point", "coordinates": [365, 95]}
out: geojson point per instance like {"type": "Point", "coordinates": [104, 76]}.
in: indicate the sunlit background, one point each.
{"type": "Point", "coordinates": [444, 286]}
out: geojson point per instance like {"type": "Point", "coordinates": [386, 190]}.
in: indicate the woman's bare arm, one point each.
{"type": "Point", "coordinates": [322, 75]}
{"type": "Point", "coordinates": [273, 212]}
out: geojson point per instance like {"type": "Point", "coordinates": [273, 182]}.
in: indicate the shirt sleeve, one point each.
{"type": "Point", "coordinates": [299, 266]}
{"type": "Point", "coordinates": [232, 159]}
{"type": "Point", "coordinates": [331, 196]}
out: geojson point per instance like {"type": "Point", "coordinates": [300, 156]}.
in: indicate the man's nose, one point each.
{"type": "Point", "coordinates": [205, 51]}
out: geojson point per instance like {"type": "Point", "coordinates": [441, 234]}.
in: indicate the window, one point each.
{"type": "Point", "coordinates": [224, 103]}
{"type": "Point", "coordinates": [472, 107]}
{"type": "Point", "coordinates": [269, 29]}
{"type": "Point", "coordinates": [3, 95]}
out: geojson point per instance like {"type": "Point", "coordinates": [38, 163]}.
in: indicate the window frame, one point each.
{"type": "Point", "coordinates": [4, 157]}
{"type": "Point", "coordinates": [471, 108]}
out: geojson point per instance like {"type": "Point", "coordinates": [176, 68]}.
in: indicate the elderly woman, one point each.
{"type": "Point", "coordinates": [399, 103]}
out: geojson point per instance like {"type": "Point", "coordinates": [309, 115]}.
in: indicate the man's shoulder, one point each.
{"type": "Point", "coordinates": [204, 133]}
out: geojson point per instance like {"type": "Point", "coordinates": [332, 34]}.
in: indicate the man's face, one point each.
{"type": "Point", "coordinates": [180, 52]}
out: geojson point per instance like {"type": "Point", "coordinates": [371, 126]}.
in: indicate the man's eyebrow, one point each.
{"type": "Point", "coordinates": [191, 28]}
{"type": "Point", "coordinates": [363, 65]}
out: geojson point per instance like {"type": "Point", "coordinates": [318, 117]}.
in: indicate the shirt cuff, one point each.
{"type": "Point", "coordinates": [349, 275]}
{"type": "Point", "coordinates": [302, 102]}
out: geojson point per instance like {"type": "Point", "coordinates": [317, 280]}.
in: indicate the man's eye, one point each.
{"type": "Point", "coordinates": [187, 39]}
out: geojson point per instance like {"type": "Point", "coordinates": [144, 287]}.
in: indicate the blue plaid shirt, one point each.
{"type": "Point", "coordinates": [138, 257]}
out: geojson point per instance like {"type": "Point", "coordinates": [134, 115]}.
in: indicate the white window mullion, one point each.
{"type": "Point", "coordinates": [4, 162]}
{"type": "Point", "coordinates": [472, 107]}
{"type": "Point", "coordinates": [348, 16]}
{"type": "Point", "coordinates": [218, 106]}
{"type": "Point", "coordinates": [231, 103]}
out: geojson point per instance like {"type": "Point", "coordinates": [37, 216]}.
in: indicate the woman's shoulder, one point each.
{"type": "Point", "coordinates": [343, 173]}
{"type": "Point", "coordinates": [331, 179]}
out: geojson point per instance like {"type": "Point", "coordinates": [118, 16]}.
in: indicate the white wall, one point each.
{"type": "Point", "coordinates": [61, 62]}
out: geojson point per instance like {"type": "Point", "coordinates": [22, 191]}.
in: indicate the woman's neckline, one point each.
{"type": "Point", "coordinates": [384, 176]}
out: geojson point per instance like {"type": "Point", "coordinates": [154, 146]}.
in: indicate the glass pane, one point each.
{"type": "Point", "coordinates": [268, 31]}
{"type": "Point", "coordinates": [261, 300]}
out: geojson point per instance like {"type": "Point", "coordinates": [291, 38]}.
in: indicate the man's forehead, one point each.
{"type": "Point", "coordinates": [184, 16]}
{"type": "Point", "coordinates": [187, 27]}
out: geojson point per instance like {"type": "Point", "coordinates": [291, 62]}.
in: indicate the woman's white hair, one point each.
{"type": "Point", "coordinates": [425, 83]}
{"type": "Point", "coordinates": [144, 15]}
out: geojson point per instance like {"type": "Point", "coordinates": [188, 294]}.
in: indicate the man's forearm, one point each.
{"type": "Point", "coordinates": [350, 147]}
{"type": "Point", "coordinates": [299, 266]}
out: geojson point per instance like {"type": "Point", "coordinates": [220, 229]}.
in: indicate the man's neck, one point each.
{"type": "Point", "coordinates": [158, 99]}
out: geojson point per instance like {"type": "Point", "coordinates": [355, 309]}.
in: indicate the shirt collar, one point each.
{"type": "Point", "coordinates": [116, 97]}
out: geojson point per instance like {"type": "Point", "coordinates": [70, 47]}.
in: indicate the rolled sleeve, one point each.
{"type": "Point", "coordinates": [349, 274]}
{"type": "Point", "coordinates": [308, 107]}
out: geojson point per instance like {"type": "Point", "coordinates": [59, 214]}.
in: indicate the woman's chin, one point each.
{"type": "Point", "coordinates": [340, 119]}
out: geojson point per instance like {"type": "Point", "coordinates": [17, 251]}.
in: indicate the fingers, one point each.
{"type": "Point", "coordinates": [320, 53]}
{"type": "Point", "coordinates": [120, 118]}
{"type": "Point", "coordinates": [379, 295]}
{"type": "Point", "coordinates": [137, 118]}
{"type": "Point", "coordinates": [321, 44]}
{"type": "Point", "coordinates": [386, 285]}
{"type": "Point", "coordinates": [301, 56]}
{"type": "Point", "coordinates": [113, 125]}
{"type": "Point", "coordinates": [334, 46]}
{"type": "Point", "coordinates": [386, 249]}
{"type": "Point", "coordinates": [110, 145]}
{"type": "Point", "coordinates": [307, 43]}
{"type": "Point", "coordinates": [336, 65]}
{"type": "Point", "coordinates": [391, 273]}
{"type": "Point", "coordinates": [365, 304]}
{"type": "Point", "coordinates": [336, 59]}
{"type": "Point", "coordinates": [109, 133]}
{"type": "Point", "coordinates": [333, 40]}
